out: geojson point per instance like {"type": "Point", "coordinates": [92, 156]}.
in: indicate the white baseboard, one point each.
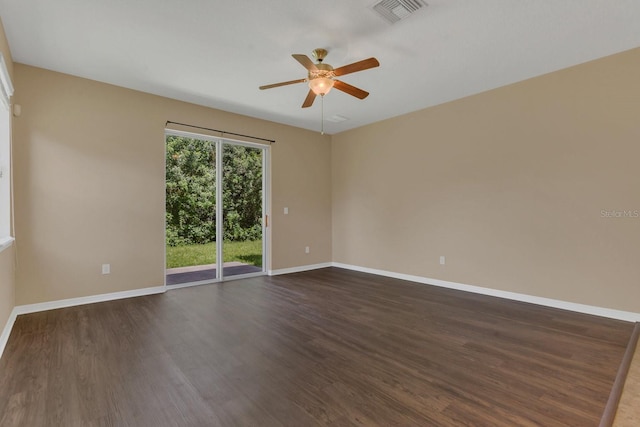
{"type": "Point", "coordinates": [52, 305]}
{"type": "Point", "coordinates": [299, 269]}
{"type": "Point", "coordinates": [548, 302]}
{"type": "Point", "coordinates": [4, 338]}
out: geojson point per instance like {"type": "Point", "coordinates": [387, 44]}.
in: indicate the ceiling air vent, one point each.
{"type": "Point", "coordinates": [337, 118]}
{"type": "Point", "coordinates": [393, 11]}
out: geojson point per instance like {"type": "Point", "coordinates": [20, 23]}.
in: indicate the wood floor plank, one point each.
{"type": "Point", "coordinates": [326, 347]}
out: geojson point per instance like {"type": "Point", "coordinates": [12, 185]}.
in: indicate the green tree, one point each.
{"type": "Point", "coordinates": [242, 193]}
{"type": "Point", "coordinates": [191, 192]}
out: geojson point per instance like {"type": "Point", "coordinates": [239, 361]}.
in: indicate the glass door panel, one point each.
{"type": "Point", "coordinates": [242, 209]}
{"type": "Point", "coordinates": [190, 210]}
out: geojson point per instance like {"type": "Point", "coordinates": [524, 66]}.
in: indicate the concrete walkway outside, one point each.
{"type": "Point", "coordinates": [197, 273]}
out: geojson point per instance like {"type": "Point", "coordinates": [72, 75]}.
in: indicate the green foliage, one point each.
{"type": "Point", "coordinates": [242, 193]}
{"type": "Point", "coordinates": [191, 192]}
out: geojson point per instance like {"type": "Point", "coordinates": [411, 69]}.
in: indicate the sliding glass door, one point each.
{"type": "Point", "coordinates": [215, 209]}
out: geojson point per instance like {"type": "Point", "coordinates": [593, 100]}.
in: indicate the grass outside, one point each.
{"type": "Point", "coordinates": [249, 252]}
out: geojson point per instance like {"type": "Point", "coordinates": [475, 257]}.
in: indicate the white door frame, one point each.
{"type": "Point", "coordinates": [266, 235]}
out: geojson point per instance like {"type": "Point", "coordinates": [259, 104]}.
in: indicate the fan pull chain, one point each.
{"type": "Point", "coordinates": [322, 118]}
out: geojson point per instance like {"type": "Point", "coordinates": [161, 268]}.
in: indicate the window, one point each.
{"type": "Point", "coordinates": [6, 90]}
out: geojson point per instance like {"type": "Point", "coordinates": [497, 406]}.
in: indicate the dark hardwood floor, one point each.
{"type": "Point", "coordinates": [327, 347]}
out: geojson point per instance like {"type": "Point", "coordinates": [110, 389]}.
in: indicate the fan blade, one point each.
{"type": "Point", "coordinates": [308, 101]}
{"type": "Point", "coordinates": [305, 61]}
{"type": "Point", "coordinates": [290, 82]}
{"type": "Point", "coordinates": [365, 64]}
{"type": "Point", "coordinates": [351, 90]}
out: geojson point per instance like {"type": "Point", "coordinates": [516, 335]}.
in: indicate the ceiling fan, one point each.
{"type": "Point", "coordinates": [322, 77]}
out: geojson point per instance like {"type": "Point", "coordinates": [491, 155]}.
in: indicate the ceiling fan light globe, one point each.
{"type": "Point", "coordinates": [321, 85]}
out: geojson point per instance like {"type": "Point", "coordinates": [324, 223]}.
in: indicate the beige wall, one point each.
{"type": "Point", "coordinates": [509, 185]}
{"type": "Point", "coordinates": [90, 185]}
{"type": "Point", "coordinates": [7, 276]}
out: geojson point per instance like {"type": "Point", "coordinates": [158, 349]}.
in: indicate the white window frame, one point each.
{"type": "Point", "coordinates": [6, 91]}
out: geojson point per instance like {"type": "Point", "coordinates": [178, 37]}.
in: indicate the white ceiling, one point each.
{"type": "Point", "coordinates": [216, 53]}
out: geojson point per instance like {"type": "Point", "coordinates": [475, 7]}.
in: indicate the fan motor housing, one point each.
{"type": "Point", "coordinates": [323, 71]}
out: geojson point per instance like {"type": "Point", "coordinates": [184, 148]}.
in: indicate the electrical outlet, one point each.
{"type": "Point", "coordinates": [441, 259]}
{"type": "Point", "coordinates": [286, 211]}
{"type": "Point", "coordinates": [106, 268]}
{"type": "Point", "coordinates": [306, 249]}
